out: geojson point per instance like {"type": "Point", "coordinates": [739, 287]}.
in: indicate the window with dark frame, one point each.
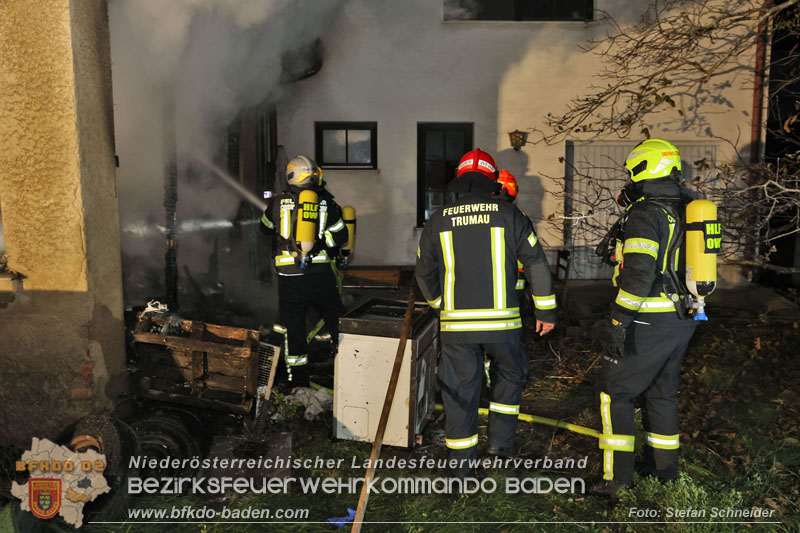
{"type": "Point", "coordinates": [346, 144]}
{"type": "Point", "coordinates": [519, 10]}
{"type": "Point", "coordinates": [440, 146]}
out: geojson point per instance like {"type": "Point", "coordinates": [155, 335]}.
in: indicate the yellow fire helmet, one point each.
{"type": "Point", "coordinates": [653, 159]}
{"type": "Point", "coordinates": [303, 172]}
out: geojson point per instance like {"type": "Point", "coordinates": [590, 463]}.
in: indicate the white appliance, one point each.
{"type": "Point", "coordinates": [368, 341]}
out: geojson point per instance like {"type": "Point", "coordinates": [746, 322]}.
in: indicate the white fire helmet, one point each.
{"type": "Point", "coordinates": [303, 172]}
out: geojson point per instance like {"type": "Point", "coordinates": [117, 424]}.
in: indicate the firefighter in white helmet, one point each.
{"type": "Point", "coordinates": [307, 222]}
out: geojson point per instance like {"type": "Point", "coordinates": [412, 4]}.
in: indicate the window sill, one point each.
{"type": "Point", "coordinates": [6, 283]}
{"type": "Point", "coordinates": [331, 171]}
{"type": "Point", "coordinates": [345, 167]}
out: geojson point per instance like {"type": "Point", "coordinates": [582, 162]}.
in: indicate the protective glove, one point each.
{"type": "Point", "coordinates": [615, 341]}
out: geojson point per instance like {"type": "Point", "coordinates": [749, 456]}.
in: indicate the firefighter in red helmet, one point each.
{"type": "Point", "coordinates": [467, 268]}
{"type": "Point", "coordinates": [509, 186]}
{"type": "Point", "coordinates": [508, 192]}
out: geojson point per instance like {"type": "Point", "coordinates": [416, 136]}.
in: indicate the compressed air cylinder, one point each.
{"type": "Point", "coordinates": [307, 217]}
{"type": "Point", "coordinates": [703, 240]}
{"type": "Point", "coordinates": [349, 217]}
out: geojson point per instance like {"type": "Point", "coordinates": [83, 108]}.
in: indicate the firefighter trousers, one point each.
{"type": "Point", "coordinates": [650, 369]}
{"type": "Point", "coordinates": [318, 290]}
{"type": "Point", "coordinates": [459, 374]}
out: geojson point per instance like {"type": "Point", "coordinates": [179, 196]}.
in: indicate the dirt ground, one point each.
{"type": "Point", "coordinates": [740, 448]}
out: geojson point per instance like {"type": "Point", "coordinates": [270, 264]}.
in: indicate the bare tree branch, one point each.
{"type": "Point", "coordinates": [677, 50]}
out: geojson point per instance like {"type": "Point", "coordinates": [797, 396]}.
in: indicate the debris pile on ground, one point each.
{"type": "Point", "coordinates": [3, 262]}
{"type": "Point", "coordinates": [162, 320]}
{"type": "Point", "coordinates": [316, 402]}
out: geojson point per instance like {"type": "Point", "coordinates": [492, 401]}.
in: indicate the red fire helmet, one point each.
{"type": "Point", "coordinates": [509, 183]}
{"type": "Point", "coordinates": [477, 161]}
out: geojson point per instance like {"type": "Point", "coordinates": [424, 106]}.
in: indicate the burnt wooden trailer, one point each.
{"type": "Point", "coordinates": [203, 365]}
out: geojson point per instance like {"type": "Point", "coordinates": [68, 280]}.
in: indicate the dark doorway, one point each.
{"type": "Point", "coordinates": [440, 146]}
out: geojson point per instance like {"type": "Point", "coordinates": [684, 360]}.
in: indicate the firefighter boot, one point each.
{"type": "Point", "coordinates": [299, 376]}
{"type": "Point", "coordinates": [608, 487]}
{"type": "Point", "coordinates": [500, 451]}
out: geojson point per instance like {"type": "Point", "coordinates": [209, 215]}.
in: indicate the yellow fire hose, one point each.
{"type": "Point", "coordinates": [542, 420]}
{"type": "Point", "coordinates": [320, 387]}
{"type": "Point", "coordinates": [533, 419]}
{"type": "Point", "coordinates": [315, 330]}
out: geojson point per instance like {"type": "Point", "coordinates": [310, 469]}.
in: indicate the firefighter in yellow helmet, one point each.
{"type": "Point", "coordinates": [307, 223]}
{"type": "Point", "coordinates": [646, 338]}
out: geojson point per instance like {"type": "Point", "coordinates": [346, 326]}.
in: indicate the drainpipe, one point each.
{"type": "Point", "coordinates": [273, 148]}
{"type": "Point", "coordinates": [170, 208]}
{"type": "Point", "coordinates": [756, 148]}
{"type": "Point", "coordinates": [758, 87]}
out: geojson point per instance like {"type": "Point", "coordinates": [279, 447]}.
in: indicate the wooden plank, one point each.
{"type": "Point", "coordinates": [251, 378]}
{"type": "Point", "coordinates": [173, 374]}
{"type": "Point", "coordinates": [160, 321]}
{"type": "Point", "coordinates": [172, 378]}
{"type": "Point", "coordinates": [226, 366]}
{"type": "Point", "coordinates": [391, 277]}
{"type": "Point", "coordinates": [242, 408]}
{"type": "Point", "coordinates": [227, 332]}
{"type": "Point", "coordinates": [223, 341]}
{"type": "Point", "coordinates": [228, 383]}
{"type": "Point", "coordinates": [197, 360]}
{"type": "Point", "coordinates": [172, 358]}
{"type": "Point", "coordinates": [240, 334]}
{"type": "Point", "coordinates": [183, 343]}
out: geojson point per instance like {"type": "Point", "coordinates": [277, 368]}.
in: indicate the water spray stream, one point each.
{"type": "Point", "coordinates": [188, 226]}
{"type": "Point", "coordinates": [232, 183]}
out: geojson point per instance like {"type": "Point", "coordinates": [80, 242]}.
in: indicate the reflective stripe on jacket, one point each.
{"type": "Point", "coordinates": [649, 231]}
{"type": "Point", "coordinates": [467, 266]}
{"type": "Point", "coordinates": [280, 217]}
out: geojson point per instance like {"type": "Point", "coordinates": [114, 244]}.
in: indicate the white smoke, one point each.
{"type": "Point", "coordinates": [460, 9]}
{"type": "Point", "coordinates": [192, 65]}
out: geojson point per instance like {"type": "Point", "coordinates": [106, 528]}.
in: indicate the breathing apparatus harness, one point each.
{"type": "Point", "coordinates": [303, 257]}
{"type": "Point", "coordinates": [610, 247]}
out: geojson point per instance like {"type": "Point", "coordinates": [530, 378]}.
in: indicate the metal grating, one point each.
{"type": "Point", "coordinates": [268, 356]}
{"type": "Point", "coordinates": [594, 176]}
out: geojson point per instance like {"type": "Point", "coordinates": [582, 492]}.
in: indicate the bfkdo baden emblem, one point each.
{"type": "Point", "coordinates": [44, 497]}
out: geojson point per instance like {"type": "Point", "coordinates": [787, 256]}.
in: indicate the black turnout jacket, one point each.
{"type": "Point", "coordinates": [467, 265]}
{"type": "Point", "coordinates": [651, 227]}
{"type": "Point", "coordinates": [280, 216]}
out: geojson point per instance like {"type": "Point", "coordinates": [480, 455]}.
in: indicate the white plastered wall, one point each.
{"type": "Point", "coordinates": [398, 63]}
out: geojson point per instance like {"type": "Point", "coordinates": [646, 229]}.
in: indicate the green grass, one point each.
{"type": "Point", "coordinates": [740, 438]}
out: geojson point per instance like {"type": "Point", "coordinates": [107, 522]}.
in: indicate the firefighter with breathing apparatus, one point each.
{"type": "Point", "coordinates": [508, 192]}
{"type": "Point", "coordinates": [307, 223]}
{"type": "Point", "coordinates": [664, 250]}
{"type": "Point", "coordinates": [467, 268]}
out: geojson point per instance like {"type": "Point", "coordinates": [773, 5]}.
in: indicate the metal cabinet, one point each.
{"type": "Point", "coordinates": [367, 347]}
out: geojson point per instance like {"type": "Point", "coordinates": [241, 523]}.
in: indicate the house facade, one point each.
{"type": "Point", "coordinates": [407, 87]}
